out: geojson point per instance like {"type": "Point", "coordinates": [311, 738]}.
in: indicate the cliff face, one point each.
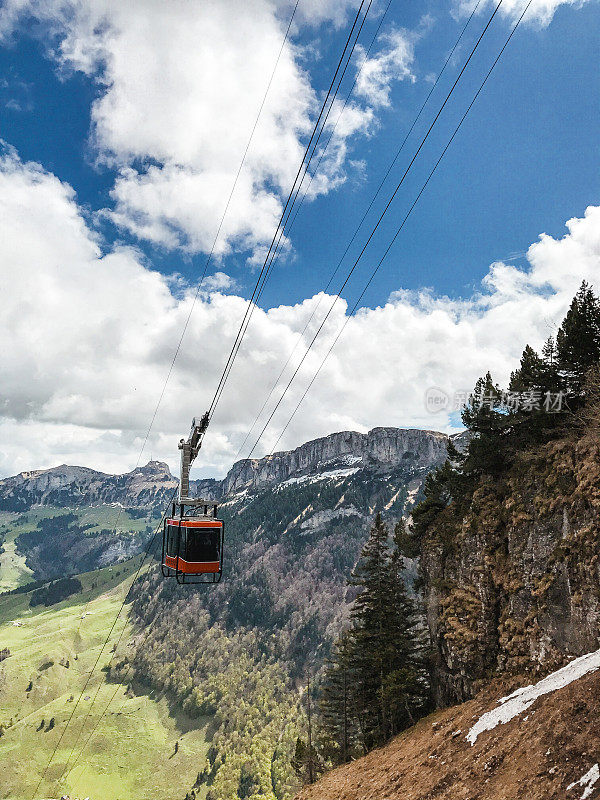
{"type": "Point", "coordinates": [515, 585]}
{"type": "Point", "coordinates": [380, 447]}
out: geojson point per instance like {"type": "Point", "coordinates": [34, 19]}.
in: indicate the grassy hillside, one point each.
{"type": "Point", "coordinates": [133, 754]}
{"type": "Point", "coordinates": [44, 542]}
{"type": "Point", "coordinates": [13, 569]}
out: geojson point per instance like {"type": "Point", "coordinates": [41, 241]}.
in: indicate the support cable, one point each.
{"type": "Point", "coordinates": [85, 685]}
{"type": "Point", "coordinates": [374, 230]}
{"type": "Point", "coordinates": [374, 272]}
{"type": "Point", "coordinates": [186, 325]}
{"type": "Point", "coordinates": [279, 230]}
{"type": "Point", "coordinates": [300, 337]}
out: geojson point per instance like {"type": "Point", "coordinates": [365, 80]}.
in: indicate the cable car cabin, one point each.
{"type": "Point", "coordinates": [193, 545]}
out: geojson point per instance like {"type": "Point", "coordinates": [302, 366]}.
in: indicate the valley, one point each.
{"type": "Point", "coordinates": [212, 684]}
{"type": "Point", "coordinates": [294, 529]}
{"type": "Point", "coordinates": [51, 651]}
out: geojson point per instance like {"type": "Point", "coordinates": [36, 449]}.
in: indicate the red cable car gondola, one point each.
{"type": "Point", "coordinates": [193, 537]}
{"type": "Point", "coordinates": [193, 546]}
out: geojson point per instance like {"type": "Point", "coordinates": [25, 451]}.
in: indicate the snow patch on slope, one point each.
{"type": "Point", "coordinates": [519, 701]}
{"type": "Point", "coordinates": [321, 476]}
{"type": "Point", "coordinates": [588, 781]}
{"type": "Point", "coordinates": [323, 517]}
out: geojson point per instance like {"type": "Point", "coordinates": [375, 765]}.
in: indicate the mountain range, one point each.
{"type": "Point", "coordinates": [152, 484]}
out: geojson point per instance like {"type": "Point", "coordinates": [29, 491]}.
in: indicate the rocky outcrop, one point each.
{"type": "Point", "coordinates": [514, 585]}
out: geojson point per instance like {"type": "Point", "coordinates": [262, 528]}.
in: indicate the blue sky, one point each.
{"type": "Point", "coordinates": [525, 161]}
{"type": "Point", "coordinates": [523, 164]}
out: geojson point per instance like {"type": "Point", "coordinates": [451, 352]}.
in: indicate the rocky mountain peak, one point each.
{"type": "Point", "coordinates": [159, 469]}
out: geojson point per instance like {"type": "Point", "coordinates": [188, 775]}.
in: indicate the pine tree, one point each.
{"type": "Point", "coordinates": [369, 633]}
{"type": "Point", "coordinates": [306, 761]}
{"type": "Point", "coordinates": [549, 352]}
{"type": "Point", "coordinates": [406, 687]}
{"type": "Point", "coordinates": [389, 682]}
{"type": "Point", "coordinates": [532, 373]}
{"type": "Point", "coordinates": [531, 389]}
{"type": "Point", "coordinates": [578, 340]}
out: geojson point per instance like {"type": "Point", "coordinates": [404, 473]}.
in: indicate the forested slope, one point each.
{"type": "Point", "coordinates": [243, 649]}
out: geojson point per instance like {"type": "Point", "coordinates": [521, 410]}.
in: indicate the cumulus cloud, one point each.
{"type": "Point", "coordinates": [180, 85]}
{"type": "Point", "coordinates": [88, 338]}
{"type": "Point", "coordinates": [540, 12]}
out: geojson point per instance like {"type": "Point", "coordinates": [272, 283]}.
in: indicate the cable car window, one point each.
{"type": "Point", "coordinates": [172, 533]}
{"type": "Point", "coordinates": [203, 544]}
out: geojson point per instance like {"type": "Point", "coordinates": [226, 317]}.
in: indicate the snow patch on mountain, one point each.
{"type": "Point", "coordinates": [321, 476]}
{"type": "Point", "coordinates": [324, 517]}
{"type": "Point", "coordinates": [516, 703]}
{"type": "Point", "coordinates": [587, 782]}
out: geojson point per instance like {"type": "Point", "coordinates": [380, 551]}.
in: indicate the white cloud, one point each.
{"type": "Point", "coordinates": [540, 12]}
{"type": "Point", "coordinates": [180, 85]}
{"type": "Point", "coordinates": [88, 339]}
{"type": "Point", "coordinates": [393, 62]}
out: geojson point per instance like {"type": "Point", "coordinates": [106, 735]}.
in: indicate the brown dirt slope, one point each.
{"type": "Point", "coordinates": [535, 756]}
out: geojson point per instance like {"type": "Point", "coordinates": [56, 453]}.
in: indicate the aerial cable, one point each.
{"type": "Point", "coordinates": [217, 234]}
{"type": "Point", "coordinates": [300, 337]}
{"type": "Point", "coordinates": [207, 262]}
{"type": "Point", "coordinates": [374, 230]}
{"type": "Point", "coordinates": [111, 629]}
{"type": "Point", "coordinates": [376, 269]}
{"type": "Point", "coordinates": [288, 228]}
{"type": "Point", "coordinates": [285, 225]}
{"type": "Point", "coordinates": [177, 352]}
{"type": "Point", "coordinates": [250, 305]}
{"type": "Point", "coordinates": [349, 38]}
{"type": "Point", "coordinates": [64, 773]}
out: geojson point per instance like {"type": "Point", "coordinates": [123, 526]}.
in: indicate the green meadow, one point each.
{"type": "Point", "coordinates": [132, 754]}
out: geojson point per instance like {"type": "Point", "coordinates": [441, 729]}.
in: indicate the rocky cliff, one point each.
{"type": "Point", "coordinates": [514, 584]}
{"type": "Point", "coordinates": [379, 448]}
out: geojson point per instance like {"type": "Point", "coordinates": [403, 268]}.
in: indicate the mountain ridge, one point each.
{"type": "Point", "coordinates": [153, 483]}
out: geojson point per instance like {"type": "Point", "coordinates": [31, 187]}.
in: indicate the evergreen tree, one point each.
{"type": "Point", "coordinates": [532, 391]}
{"type": "Point", "coordinates": [369, 643]}
{"type": "Point", "coordinates": [578, 340]}
{"type": "Point", "coordinates": [406, 684]}
{"type": "Point", "coordinates": [483, 416]}
{"type": "Point", "coordinates": [306, 761]}
{"type": "Point", "coordinates": [549, 352]}
{"type": "Point", "coordinates": [533, 373]}
{"type": "Point", "coordinates": [376, 684]}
